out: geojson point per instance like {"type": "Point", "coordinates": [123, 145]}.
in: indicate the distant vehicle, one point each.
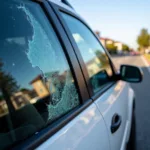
{"type": "Point", "coordinates": [134, 53]}
{"type": "Point", "coordinates": [59, 89]}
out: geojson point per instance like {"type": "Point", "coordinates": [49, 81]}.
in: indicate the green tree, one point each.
{"type": "Point", "coordinates": [111, 48]}
{"type": "Point", "coordinates": [8, 86]}
{"type": "Point", "coordinates": [125, 47]}
{"type": "Point", "coordinates": [1, 97]}
{"type": "Point", "coordinates": [143, 39]}
{"type": "Point", "coordinates": [102, 57]}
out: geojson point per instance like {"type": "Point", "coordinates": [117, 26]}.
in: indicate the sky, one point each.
{"type": "Point", "coordinates": [120, 20]}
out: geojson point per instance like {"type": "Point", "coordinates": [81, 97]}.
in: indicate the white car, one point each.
{"type": "Point", "coordinates": [49, 53]}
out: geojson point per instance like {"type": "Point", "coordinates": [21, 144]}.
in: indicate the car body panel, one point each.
{"type": "Point", "coordinates": [86, 132]}
{"type": "Point", "coordinates": [118, 99]}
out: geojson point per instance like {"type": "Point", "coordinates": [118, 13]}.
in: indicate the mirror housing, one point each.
{"type": "Point", "coordinates": [131, 74]}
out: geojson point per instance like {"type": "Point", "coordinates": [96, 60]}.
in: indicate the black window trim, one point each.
{"type": "Point", "coordinates": [41, 136]}
{"type": "Point", "coordinates": [58, 9]}
{"type": "Point", "coordinates": [68, 51]}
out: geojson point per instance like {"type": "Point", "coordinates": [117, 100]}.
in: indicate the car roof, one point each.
{"type": "Point", "coordinates": [58, 2]}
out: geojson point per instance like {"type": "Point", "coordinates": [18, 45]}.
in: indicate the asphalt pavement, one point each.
{"type": "Point", "coordinates": [142, 92]}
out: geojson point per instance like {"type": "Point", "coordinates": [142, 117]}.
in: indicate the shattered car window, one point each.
{"type": "Point", "coordinates": [36, 83]}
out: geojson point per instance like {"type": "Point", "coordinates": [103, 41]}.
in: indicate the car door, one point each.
{"type": "Point", "coordinates": [44, 102]}
{"type": "Point", "coordinates": [111, 97]}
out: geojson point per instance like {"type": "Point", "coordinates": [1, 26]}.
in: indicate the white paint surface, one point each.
{"type": "Point", "coordinates": [118, 99]}
{"type": "Point", "coordinates": [86, 132]}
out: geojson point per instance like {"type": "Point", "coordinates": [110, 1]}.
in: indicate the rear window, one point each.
{"type": "Point", "coordinates": [36, 83]}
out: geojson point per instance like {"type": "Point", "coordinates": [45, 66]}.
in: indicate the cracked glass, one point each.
{"type": "Point", "coordinates": [36, 83]}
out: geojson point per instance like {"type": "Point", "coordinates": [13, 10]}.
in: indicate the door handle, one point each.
{"type": "Point", "coordinates": [116, 122]}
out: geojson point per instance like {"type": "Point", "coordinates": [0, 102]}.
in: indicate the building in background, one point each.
{"type": "Point", "coordinates": [119, 46]}
{"type": "Point", "coordinates": [40, 87]}
{"type": "Point", "coordinates": [107, 41]}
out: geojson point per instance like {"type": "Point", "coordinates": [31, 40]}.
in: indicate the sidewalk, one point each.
{"type": "Point", "coordinates": [147, 58]}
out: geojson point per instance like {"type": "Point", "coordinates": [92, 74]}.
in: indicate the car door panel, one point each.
{"type": "Point", "coordinates": [115, 101]}
{"type": "Point", "coordinates": [86, 132]}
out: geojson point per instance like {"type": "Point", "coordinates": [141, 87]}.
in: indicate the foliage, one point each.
{"type": "Point", "coordinates": [8, 86]}
{"type": "Point", "coordinates": [102, 57]}
{"type": "Point", "coordinates": [111, 48]}
{"type": "Point", "coordinates": [138, 48]}
{"type": "Point", "coordinates": [7, 81]}
{"type": "Point", "coordinates": [147, 56]}
{"type": "Point", "coordinates": [1, 97]}
{"type": "Point", "coordinates": [125, 47]}
{"type": "Point", "coordinates": [143, 39]}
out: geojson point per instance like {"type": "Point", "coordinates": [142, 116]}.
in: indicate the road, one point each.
{"type": "Point", "coordinates": [142, 92]}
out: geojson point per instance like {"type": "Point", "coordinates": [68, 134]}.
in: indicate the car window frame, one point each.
{"type": "Point", "coordinates": [58, 10]}
{"type": "Point", "coordinates": [35, 140]}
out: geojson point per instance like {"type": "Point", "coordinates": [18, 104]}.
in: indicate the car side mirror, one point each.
{"type": "Point", "coordinates": [99, 78]}
{"type": "Point", "coordinates": [131, 73]}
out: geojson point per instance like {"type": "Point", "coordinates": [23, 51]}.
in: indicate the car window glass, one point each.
{"type": "Point", "coordinates": [94, 56]}
{"type": "Point", "coordinates": [36, 83]}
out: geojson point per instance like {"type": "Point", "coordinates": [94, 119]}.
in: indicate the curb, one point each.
{"type": "Point", "coordinates": [146, 62]}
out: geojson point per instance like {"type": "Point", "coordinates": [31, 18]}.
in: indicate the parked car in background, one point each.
{"type": "Point", "coordinates": [134, 53]}
{"type": "Point", "coordinates": [59, 89]}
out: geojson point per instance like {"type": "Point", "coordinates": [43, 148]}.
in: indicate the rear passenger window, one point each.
{"type": "Point", "coordinates": [93, 54]}
{"type": "Point", "coordinates": [36, 83]}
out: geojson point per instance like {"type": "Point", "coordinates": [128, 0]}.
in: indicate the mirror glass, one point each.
{"type": "Point", "coordinates": [130, 73]}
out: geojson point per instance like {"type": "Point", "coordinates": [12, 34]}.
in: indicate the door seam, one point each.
{"type": "Point", "coordinates": [105, 125]}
